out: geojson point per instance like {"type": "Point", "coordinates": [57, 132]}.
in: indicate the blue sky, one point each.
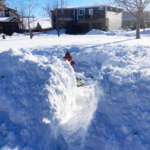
{"type": "Point", "coordinates": [81, 2]}
{"type": "Point", "coordinates": [38, 12]}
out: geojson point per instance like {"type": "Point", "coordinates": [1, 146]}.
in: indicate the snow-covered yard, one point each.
{"type": "Point", "coordinates": [41, 107]}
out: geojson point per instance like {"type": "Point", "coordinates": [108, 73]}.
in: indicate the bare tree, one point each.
{"type": "Point", "coordinates": [135, 8]}
{"type": "Point", "coordinates": [59, 13]}
{"type": "Point", "coordinates": [22, 11]}
{"type": "Point", "coordinates": [25, 9]}
{"type": "Point", "coordinates": [32, 4]}
{"type": "Point", "coordinates": [21, 8]}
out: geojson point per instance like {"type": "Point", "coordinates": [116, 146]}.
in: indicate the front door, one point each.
{"type": "Point", "coordinates": [90, 13]}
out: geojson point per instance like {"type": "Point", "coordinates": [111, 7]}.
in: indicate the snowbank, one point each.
{"type": "Point", "coordinates": [55, 32]}
{"type": "Point", "coordinates": [94, 32]}
{"type": "Point", "coordinates": [35, 98]}
{"type": "Point", "coordinates": [121, 120]}
{"type": "Point", "coordinates": [119, 32]}
{"type": "Point", "coordinates": [41, 106]}
{"type": "Point", "coordinates": [47, 33]}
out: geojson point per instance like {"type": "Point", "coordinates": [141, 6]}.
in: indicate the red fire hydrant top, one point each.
{"type": "Point", "coordinates": [69, 58]}
{"type": "Point", "coordinates": [72, 63]}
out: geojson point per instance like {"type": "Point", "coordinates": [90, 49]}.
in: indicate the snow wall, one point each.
{"type": "Point", "coordinates": [121, 120]}
{"type": "Point", "coordinates": [40, 104]}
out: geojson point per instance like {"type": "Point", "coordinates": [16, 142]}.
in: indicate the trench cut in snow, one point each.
{"type": "Point", "coordinates": [121, 120]}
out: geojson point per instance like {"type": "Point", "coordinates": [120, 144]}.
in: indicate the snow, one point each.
{"type": "Point", "coordinates": [38, 96]}
{"type": "Point", "coordinates": [41, 106]}
{"type": "Point", "coordinates": [99, 4]}
{"type": "Point", "coordinates": [5, 19]}
{"type": "Point", "coordinates": [70, 6]}
{"type": "Point", "coordinates": [44, 22]}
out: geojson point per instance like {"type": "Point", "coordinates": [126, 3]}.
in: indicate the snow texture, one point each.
{"type": "Point", "coordinates": [98, 4]}
{"type": "Point", "coordinates": [41, 107]}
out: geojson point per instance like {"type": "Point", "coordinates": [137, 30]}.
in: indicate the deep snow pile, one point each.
{"type": "Point", "coordinates": [121, 120]}
{"type": "Point", "coordinates": [119, 32]}
{"type": "Point", "coordinates": [40, 105]}
{"type": "Point", "coordinates": [42, 108]}
{"type": "Point", "coordinates": [47, 33]}
{"type": "Point", "coordinates": [55, 32]}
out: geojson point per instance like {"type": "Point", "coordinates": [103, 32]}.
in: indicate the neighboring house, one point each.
{"type": "Point", "coordinates": [9, 20]}
{"type": "Point", "coordinates": [45, 24]}
{"type": "Point", "coordinates": [129, 20]}
{"type": "Point", "coordinates": [95, 16]}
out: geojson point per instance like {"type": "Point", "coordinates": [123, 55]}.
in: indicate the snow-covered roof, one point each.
{"type": "Point", "coordinates": [5, 19]}
{"type": "Point", "coordinates": [98, 4]}
{"type": "Point", "coordinates": [70, 6]}
{"type": "Point", "coordinates": [44, 22]}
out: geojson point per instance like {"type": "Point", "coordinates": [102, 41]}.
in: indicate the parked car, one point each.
{"type": "Point", "coordinates": [73, 30]}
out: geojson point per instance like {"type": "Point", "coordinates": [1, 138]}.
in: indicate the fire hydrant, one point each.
{"type": "Point", "coordinates": [3, 36]}
{"type": "Point", "coordinates": [32, 35]}
{"type": "Point", "coordinates": [69, 58]}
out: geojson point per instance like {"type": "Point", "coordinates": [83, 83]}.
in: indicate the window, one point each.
{"type": "Point", "coordinates": [111, 8]}
{"type": "Point", "coordinates": [116, 9]}
{"type": "Point", "coordinates": [81, 12]}
{"type": "Point", "coordinates": [6, 13]}
{"type": "Point", "coordinates": [100, 8]}
{"type": "Point", "coordinates": [62, 11]}
{"type": "Point", "coordinates": [90, 11]}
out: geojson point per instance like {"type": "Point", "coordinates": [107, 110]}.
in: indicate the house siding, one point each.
{"type": "Point", "coordinates": [113, 9]}
{"type": "Point", "coordinates": [68, 13]}
{"type": "Point", "coordinates": [107, 18]}
{"type": "Point", "coordinates": [75, 16]}
{"type": "Point", "coordinates": [115, 20]}
{"type": "Point", "coordinates": [91, 23]}
{"type": "Point", "coordinates": [130, 20]}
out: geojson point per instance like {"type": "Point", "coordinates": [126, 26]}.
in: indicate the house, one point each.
{"type": "Point", "coordinates": [95, 16]}
{"type": "Point", "coordinates": [9, 20]}
{"type": "Point", "coordinates": [129, 20]}
{"type": "Point", "coordinates": [44, 23]}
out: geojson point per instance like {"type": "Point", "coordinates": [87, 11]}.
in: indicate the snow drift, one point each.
{"type": "Point", "coordinates": [40, 106]}
{"type": "Point", "coordinates": [121, 120]}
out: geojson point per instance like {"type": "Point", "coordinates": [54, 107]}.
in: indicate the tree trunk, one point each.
{"type": "Point", "coordinates": [138, 22]}
{"type": "Point", "coordinates": [58, 32]}
{"type": "Point", "coordinates": [138, 28]}
{"type": "Point", "coordinates": [30, 33]}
